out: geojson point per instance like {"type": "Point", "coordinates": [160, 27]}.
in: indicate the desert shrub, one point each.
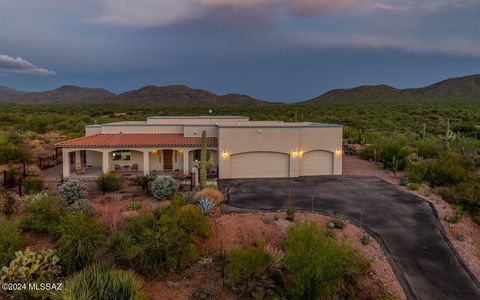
{"type": "Point", "coordinates": [109, 182]}
{"type": "Point", "coordinates": [10, 177]}
{"type": "Point", "coordinates": [100, 283]}
{"type": "Point", "coordinates": [32, 266]}
{"type": "Point", "coordinates": [395, 156]}
{"type": "Point", "coordinates": [465, 195]}
{"type": "Point", "coordinates": [248, 263]}
{"type": "Point", "coordinates": [319, 267]}
{"type": "Point", "coordinates": [8, 202]}
{"type": "Point", "coordinates": [134, 205]}
{"type": "Point", "coordinates": [163, 241]}
{"type": "Point", "coordinates": [164, 187]}
{"type": "Point", "coordinates": [413, 186]}
{"type": "Point", "coordinates": [338, 223]}
{"type": "Point", "coordinates": [143, 182]}
{"type": "Point", "coordinates": [32, 185]}
{"type": "Point", "coordinates": [448, 169]}
{"type": "Point", "coordinates": [42, 213]}
{"type": "Point", "coordinates": [428, 148]}
{"type": "Point", "coordinates": [11, 241]}
{"type": "Point", "coordinates": [81, 239]}
{"type": "Point", "coordinates": [209, 193]}
{"type": "Point", "coordinates": [72, 191]}
{"type": "Point", "coordinates": [82, 206]}
{"type": "Point", "coordinates": [33, 171]}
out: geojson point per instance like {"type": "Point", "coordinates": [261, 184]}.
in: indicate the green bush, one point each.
{"type": "Point", "coordinates": [72, 191]}
{"type": "Point", "coordinates": [448, 169]}
{"type": "Point", "coordinates": [100, 283]}
{"type": "Point", "coordinates": [164, 187]}
{"type": "Point", "coordinates": [465, 195]}
{"type": "Point", "coordinates": [413, 186]}
{"type": "Point", "coordinates": [81, 240]}
{"type": "Point", "coordinates": [11, 240]}
{"type": "Point", "coordinates": [319, 267]}
{"type": "Point", "coordinates": [248, 263]}
{"type": "Point", "coordinates": [8, 204]}
{"type": "Point", "coordinates": [42, 213]}
{"type": "Point", "coordinates": [32, 185]}
{"type": "Point", "coordinates": [109, 182]}
{"type": "Point", "coordinates": [394, 156]}
{"type": "Point", "coordinates": [32, 266]}
{"type": "Point", "coordinates": [428, 148]}
{"type": "Point", "coordinates": [143, 182]}
{"type": "Point", "coordinates": [163, 241]}
{"type": "Point", "coordinates": [82, 206]}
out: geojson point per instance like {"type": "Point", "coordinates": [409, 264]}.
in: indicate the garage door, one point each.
{"type": "Point", "coordinates": [317, 163]}
{"type": "Point", "coordinates": [259, 164]}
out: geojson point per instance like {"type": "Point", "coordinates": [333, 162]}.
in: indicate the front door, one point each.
{"type": "Point", "coordinates": [167, 160]}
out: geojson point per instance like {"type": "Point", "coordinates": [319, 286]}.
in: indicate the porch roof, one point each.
{"type": "Point", "coordinates": [136, 140]}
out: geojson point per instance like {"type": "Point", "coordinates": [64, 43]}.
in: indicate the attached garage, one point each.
{"type": "Point", "coordinates": [259, 165]}
{"type": "Point", "coordinates": [317, 163]}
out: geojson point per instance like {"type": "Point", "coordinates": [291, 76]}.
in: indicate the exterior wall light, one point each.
{"type": "Point", "coordinates": [338, 152]}
{"type": "Point", "coordinates": [297, 153]}
{"type": "Point", "coordinates": [225, 154]}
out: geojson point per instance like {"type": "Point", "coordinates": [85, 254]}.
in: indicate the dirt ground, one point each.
{"type": "Point", "coordinates": [469, 249]}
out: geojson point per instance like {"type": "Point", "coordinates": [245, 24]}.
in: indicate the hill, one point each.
{"type": "Point", "coordinates": [465, 89]}
{"type": "Point", "coordinates": [175, 95]}
{"type": "Point", "coordinates": [64, 94]}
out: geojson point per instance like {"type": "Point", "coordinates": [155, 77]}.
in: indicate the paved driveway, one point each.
{"type": "Point", "coordinates": [406, 226]}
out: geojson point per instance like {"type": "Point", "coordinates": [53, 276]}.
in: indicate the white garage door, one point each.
{"type": "Point", "coordinates": [259, 165]}
{"type": "Point", "coordinates": [317, 163]}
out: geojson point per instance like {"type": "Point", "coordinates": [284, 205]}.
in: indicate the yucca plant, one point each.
{"type": "Point", "coordinates": [206, 205]}
{"type": "Point", "coordinates": [134, 205]}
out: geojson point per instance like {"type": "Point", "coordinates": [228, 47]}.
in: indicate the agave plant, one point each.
{"type": "Point", "coordinates": [206, 205]}
{"type": "Point", "coordinates": [276, 255]}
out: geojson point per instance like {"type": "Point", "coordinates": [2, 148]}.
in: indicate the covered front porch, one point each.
{"type": "Point", "coordinates": [179, 161]}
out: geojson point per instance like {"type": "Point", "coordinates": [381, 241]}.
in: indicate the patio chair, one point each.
{"type": "Point", "coordinates": [134, 168]}
{"type": "Point", "coordinates": [118, 168]}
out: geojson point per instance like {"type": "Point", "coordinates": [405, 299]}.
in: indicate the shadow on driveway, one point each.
{"type": "Point", "coordinates": [406, 225]}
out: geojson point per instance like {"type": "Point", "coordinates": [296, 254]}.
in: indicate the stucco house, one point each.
{"type": "Point", "coordinates": [238, 147]}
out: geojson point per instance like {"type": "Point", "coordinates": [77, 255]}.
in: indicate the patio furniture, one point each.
{"type": "Point", "coordinates": [134, 168]}
{"type": "Point", "coordinates": [126, 168]}
{"type": "Point", "coordinates": [118, 168]}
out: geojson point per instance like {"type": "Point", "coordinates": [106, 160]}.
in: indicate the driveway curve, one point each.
{"type": "Point", "coordinates": [407, 226]}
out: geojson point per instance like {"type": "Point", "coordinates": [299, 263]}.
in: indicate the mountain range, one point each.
{"type": "Point", "coordinates": [463, 88]}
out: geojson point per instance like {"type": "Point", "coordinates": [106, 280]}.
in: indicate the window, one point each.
{"type": "Point", "coordinates": [197, 154]}
{"type": "Point", "coordinates": [121, 155]}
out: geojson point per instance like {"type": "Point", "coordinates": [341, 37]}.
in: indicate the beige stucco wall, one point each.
{"type": "Point", "coordinates": [196, 131]}
{"type": "Point", "coordinates": [279, 140]}
{"type": "Point", "coordinates": [94, 158]}
{"type": "Point", "coordinates": [141, 129]}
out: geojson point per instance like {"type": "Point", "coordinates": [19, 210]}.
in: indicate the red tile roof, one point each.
{"type": "Point", "coordinates": [137, 140]}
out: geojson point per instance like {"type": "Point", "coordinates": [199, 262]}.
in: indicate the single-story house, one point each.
{"type": "Point", "coordinates": [237, 147]}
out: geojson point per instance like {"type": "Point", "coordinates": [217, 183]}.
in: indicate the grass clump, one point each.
{"type": "Point", "coordinates": [99, 282]}
{"type": "Point", "coordinates": [163, 241]}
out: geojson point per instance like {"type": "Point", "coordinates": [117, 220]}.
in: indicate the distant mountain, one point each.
{"type": "Point", "coordinates": [459, 89]}
{"type": "Point", "coordinates": [173, 95]}
{"type": "Point", "coordinates": [165, 96]}
{"type": "Point", "coordinates": [455, 89]}
{"type": "Point", "coordinates": [64, 94]}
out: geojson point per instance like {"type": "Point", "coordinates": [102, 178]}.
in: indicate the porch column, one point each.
{"type": "Point", "coordinates": [66, 163]}
{"type": "Point", "coordinates": [105, 162]}
{"type": "Point", "coordinates": [146, 162]}
{"type": "Point", "coordinates": [186, 167]}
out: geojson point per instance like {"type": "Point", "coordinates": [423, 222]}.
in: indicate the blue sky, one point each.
{"type": "Point", "coordinates": [282, 50]}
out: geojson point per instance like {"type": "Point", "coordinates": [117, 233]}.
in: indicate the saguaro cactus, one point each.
{"type": "Point", "coordinates": [203, 161]}
{"type": "Point", "coordinates": [423, 132]}
{"type": "Point", "coordinates": [448, 137]}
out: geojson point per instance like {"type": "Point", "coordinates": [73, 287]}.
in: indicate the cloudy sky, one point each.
{"type": "Point", "coordinates": [271, 49]}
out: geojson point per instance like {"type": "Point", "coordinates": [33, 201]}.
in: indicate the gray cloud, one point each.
{"type": "Point", "coordinates": [18, 65]}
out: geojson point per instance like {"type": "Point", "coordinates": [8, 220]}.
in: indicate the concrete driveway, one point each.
{"type": "Point", "coordinates": [406, 225]}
